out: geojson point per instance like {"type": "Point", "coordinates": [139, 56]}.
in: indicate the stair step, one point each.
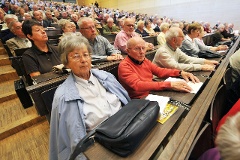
{"type": "Point", "coordinates": [7, 91]}
{"type": "Point", "coordinates": [27, 143]}
{"type": "Point", "coordinates": [4, 60]}
{"type": "Point", "coordinates": [2, 50]}
{"type": "Point", "coordinates": [14, 118]}
{"type": "Point", "coordinates": [7, 72]}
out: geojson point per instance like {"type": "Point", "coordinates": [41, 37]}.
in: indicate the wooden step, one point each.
{"type": "Point", "coordinates": [7, 73]}
{"type": "Point", "coordinates": [7, 91]}
{"type": "Point", "coordinates": [2, 51]}
{"type": "Point", "coordinates": [31, 143]}
{"type": "Point", "coordinates": [14, 118]}
{"type": "Point", "coordinates": [4, 60]}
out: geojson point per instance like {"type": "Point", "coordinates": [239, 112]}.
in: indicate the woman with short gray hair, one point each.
{"type": "Point", "coordinates": [85, 99]}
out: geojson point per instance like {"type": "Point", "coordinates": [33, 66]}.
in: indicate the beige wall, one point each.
{"type": "Point", "coordinates": [199, 10]}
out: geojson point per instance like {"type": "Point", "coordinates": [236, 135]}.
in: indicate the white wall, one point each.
{"type": "Point", "coordinates": [189, 10]}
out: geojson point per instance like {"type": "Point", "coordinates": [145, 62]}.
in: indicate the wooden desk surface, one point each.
{"type": "Point", "coordinates": [149, 145]}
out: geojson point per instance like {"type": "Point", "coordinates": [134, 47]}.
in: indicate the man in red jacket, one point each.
{"type": "Point", "coordinates": [135, 72]}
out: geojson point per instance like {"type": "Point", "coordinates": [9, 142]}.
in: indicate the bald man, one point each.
{"type": "Point", "coordinates": [135, 72]}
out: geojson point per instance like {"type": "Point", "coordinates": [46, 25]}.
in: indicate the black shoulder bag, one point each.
{"type": "Point", "coordinates": [124, 131]}
{"type": "Point", "coordinates": [208, 54]}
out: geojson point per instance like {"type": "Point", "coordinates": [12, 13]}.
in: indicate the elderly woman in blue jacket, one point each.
{"type": "Point", "coordinates": [85, 99]}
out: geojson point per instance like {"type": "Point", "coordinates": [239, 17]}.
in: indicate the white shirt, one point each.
{"type": "Point", "coordinates": [99, 104]}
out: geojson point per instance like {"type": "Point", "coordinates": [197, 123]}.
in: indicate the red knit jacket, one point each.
{"type": "Point", "coordinates": [137, 79]}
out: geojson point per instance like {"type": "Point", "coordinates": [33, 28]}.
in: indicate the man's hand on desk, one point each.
{"type": "Point", "coordinates": [207, 67]}
{"type": "Point", "coordinates": [189, 76]}
{"type": "Point", "coordinates": [180, 86]}
{"type": "Point", "coordinates": [211, 62]}
{"type": "Point", "coordinates": [114, 57]}
{"type": "Point", "coordinates": [149, 46]}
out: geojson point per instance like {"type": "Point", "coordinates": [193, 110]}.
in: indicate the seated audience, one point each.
{"type": "Point", "coordinates": [5, 33]}
{"type": "Point", "coordinates": [227, 141]}
{"type": "Point", "coordinates": [20, 41]}
{"type": "Point", "coordinates": [135, 72]}
{"type": "Point", "coordinates": [235, 64]}
{"type": "Point", "coordinates": [202, 46]}
{"type": "Point", "coordinates": [188, 45]}
{"type": "Point", "coordinates": [157, 28]}
{"type": "Point", "coordinates": [140, 29]}
{"type": "Point", "coordinates": [27, 16]}
{"type": "Point", "coordinates": [65, 25]}
{"type": "Point", "coordinates": [230, 28]}
{"type": "Point", "coordinates": [21, 14]}
{"type": "Point", "coordinates": [170, 56]}
{"type": "Point", "coordinates": [85, 99]}
{"type": "Point", "coordinates": [217, 36]}
{"type": "Point", "coordinates": [110, 27]}
{"type": "Point", "coordinates": [38, 16]}
{"type": "Point", "coordinates": [104, 20]}
{"type": "Point", "coordinates": [100, 45]}
{"type": "Point", "coordinates": [207, 27]}
{"type": "Point", "coordinates": [74, 19]}
{"type": "Point", "coordinates": [41, 57]}
{"type": "Point", "coordinates": [161, 37]}
{"type": "Point", "coordinates": [185, 28]}
{"type": "Point", "coordinates": [125, 34]}
{"type": "Point", "coordinates": [64, 15]}
{"type": "Point", "coordinates": [49, 17]}
{"type": "Point", "coordinates": [225, 32]}
{"type": "Point", "coordinates": [148, 28]}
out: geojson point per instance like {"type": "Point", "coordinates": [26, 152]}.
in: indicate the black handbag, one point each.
{"type": "Point", "coordinates": [124, 131]}
{"type": "Point", "coordinates": [208, 54]}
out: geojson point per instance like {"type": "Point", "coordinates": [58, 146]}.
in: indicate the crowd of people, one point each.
{"type": "Point", "coordinates": [89, 96]}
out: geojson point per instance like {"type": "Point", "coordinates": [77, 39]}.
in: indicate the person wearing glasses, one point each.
{"type": "Point", "coordinates": [41, 57]}
{"type": "Point", "coordinates": [135, 72]}
{"type": "Point", "coordinates": [85, 99]}
{"type": "Point", "coordinates": [20, 41]}
{"type": "Point", "coordinates": [100, 45]}
{"type": "Point", "coordinates": [170, 56]}
{"type": "Point", "coordinates": [125, 34]}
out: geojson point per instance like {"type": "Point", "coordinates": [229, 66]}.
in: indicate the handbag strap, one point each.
{"type": "Point", "coordinates": [83, 144]}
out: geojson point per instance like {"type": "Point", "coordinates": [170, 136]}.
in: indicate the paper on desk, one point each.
{"type": "Point", "coordinates": [195, 86]}
{"type": "Point", "coordinates": [162, 101]}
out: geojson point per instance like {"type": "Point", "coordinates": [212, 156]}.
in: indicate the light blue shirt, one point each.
{"type": "Point", "coordinates": [67, 125]}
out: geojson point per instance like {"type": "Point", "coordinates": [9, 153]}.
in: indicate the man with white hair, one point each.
{"type": "Point", "coordinates": [5, 33]}
{"type": "Point", "coordinates": [110, 27]}
{"type": "Point", "coordinates": [170, 56]}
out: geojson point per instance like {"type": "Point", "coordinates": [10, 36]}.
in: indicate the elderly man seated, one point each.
{"type": "Point", "coordinates": [125, 34]}
{"type": "Point", "coordinates": [170, 56]}
{"type": "Point", "coordinates": [100, 45]}
{"type": "Point", "coordinates": [38, 16]}
{"type": "Point", "coordinates": [110, 27]}
{"type": "Point", "coordinates": [20, 41]}
{"type": "Point", "coordinates": [135, 72]}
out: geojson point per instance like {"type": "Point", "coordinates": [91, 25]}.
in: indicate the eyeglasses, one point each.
{"type": "Point", "coordinates": [89, 28]}
{"type": "Point", "coordinates": [138, 49]}
{"type": "Point", "coordinates": [130, 25]}
{"type": "Point", "coordinates": [76, 57]}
